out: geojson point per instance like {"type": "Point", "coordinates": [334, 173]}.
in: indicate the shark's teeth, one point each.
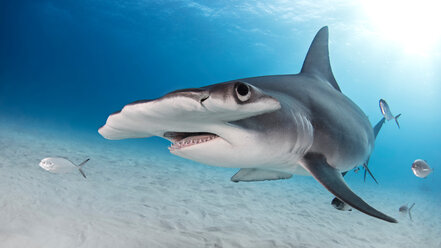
{"type": "Point", "coordinates": [191, 140]}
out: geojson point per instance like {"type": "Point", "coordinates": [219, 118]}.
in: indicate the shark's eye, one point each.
{"type": "Point", "coordinates": [243, 92]}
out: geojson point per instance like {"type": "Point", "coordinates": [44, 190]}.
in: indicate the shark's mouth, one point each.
{"type": "Point", "coordinates": [185, 139]}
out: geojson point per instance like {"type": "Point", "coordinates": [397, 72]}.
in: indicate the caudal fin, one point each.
{"type": "Point", "coordinates": [377, 129]}
{"type": "Point", "coordinates": [366, 169]}
{"type": "Point", "coordinates": [410, 216]}
{"type": "Point", "coordinates": [80, 166]}
{"type": "Point", "coordinates": [378, 126]}
{"type": "Point", "coordinates": [396, 120]}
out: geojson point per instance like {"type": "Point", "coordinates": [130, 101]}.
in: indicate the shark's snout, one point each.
{"type": "Point", "coordinates": [197, 94]}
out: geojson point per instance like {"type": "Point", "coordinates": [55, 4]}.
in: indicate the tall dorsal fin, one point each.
{"type": "Point", "coordinates": [317, 59]}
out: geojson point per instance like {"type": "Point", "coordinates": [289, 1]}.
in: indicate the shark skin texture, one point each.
{"type": "Point", "coordinates": [270, 127]}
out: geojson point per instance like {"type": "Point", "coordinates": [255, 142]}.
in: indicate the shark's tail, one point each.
{"type": "Point", "coordinates": [396, 120]}
{"type": "Point", "coordinates": [366, 169]}
{"type": "Point", "coordinates": [80, 167]}
{"type": "Point", "coordinates": [410, 216]}
{"type": "Point", "coordinates": [378, 126]}
{"type": "Point", "coordinates": [377, 129]}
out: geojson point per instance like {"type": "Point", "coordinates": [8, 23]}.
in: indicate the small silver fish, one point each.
{"type": "Point", "coordinates": [61, 165]}
{"type": "Point", "coordinates": [340, 205]}
{"type": "Point", "coordinates": [385, 110]}
{"type": "Point", "coordinates": [405, 209]}
{"type": "Point", "coordinates": [421, 169]}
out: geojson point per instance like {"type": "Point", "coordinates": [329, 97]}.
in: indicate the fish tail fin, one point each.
{"type": "Point", "coordinates": [80, 166]}
{"type": "Point", "coordinates": [396, 120]}
{"type": "Point", "coordinates": [410, 215]}
{"type": "Point", "coordinates": [82, 172]}
{"type": "Point", "coordinates": [82, 163]}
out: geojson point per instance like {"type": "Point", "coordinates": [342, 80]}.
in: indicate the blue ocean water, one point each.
{"type": "Point", "coordinates": [66, 65]}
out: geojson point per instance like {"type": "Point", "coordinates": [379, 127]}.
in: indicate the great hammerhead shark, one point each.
{"type": "Point", "coordinates": [271, 127]}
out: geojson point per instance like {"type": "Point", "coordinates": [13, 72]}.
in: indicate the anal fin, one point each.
{"type": "Point", "coordinates": [333, 181]}
{"type": "Point", "coordinates": [251, 175]}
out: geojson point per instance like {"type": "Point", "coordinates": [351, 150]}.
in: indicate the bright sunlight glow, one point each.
{"type": "Point", "coordinates": [412, 24]}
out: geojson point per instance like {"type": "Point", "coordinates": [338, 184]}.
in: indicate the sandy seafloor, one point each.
{"type": "Point", "coordinates": [137, 197]}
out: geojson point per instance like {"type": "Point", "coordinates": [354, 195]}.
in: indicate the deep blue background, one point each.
{"type": "Point", "coordinates": [69, 64]}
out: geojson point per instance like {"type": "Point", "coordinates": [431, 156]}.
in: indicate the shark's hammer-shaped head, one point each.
{"type": "Point", "coordinates": [271, 127]}
{"type": "Point", "coordinates": [198, 122]}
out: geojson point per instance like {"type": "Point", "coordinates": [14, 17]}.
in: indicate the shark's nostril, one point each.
{"type": "Point", "coordinates": [204, 98]}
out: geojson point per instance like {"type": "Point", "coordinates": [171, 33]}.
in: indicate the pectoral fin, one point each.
{"type": "Point", "coordinates": [333, 181]}
{"type": "Point", "coordinates": [251, 175]}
